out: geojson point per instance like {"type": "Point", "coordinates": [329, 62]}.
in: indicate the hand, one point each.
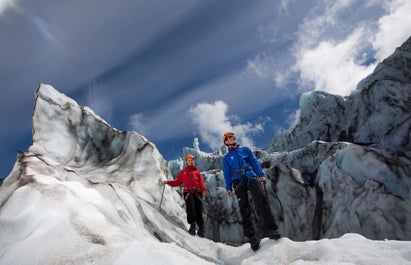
{"type": "Point", "coordinates": [204, 195]}
{"type": "Point", "coordinates": [263, 180]}
{"type": "Point", "coordinates": [165, 182]}
{"type": "Point", "coordinates": [229, 193]}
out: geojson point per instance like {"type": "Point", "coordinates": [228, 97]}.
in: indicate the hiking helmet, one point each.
{"type": "Point", "coordinates": [227, 134]}
{"type": "Point", "coordinates": [189, 156]}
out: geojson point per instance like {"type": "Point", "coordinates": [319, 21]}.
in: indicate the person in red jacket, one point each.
{"type": "Point", "coordinates": [194, 191]}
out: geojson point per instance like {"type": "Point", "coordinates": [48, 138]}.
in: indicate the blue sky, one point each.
{"type": "Point", "coordinates": [175, 70]}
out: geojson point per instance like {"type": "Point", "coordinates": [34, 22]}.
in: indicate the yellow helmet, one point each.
{"type": "Point", "coordinates": [227, 134]}
{"type": "Point", "coordinates": [189, 156]}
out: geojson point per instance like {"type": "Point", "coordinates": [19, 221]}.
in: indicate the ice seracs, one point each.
{"type": "Point", "coordinates": [345, 167]}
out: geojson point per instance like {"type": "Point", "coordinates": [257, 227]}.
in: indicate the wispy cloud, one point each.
{"type": "Point", "coordinates": [212, 121]}
{"type": "Point", "coordinates": [284, 5]}
{"type": "Point", "coordinates": [99, 102]}
{"type": "Point", "coordinates": [262, 66]}
{"type": "Point", "coordinates": [44, 28]}
{"type": "Point", "coordinates": [139, 123]}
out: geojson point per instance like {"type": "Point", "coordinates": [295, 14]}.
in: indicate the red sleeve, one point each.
{"type": "Point", "coordinates": [178, 181]}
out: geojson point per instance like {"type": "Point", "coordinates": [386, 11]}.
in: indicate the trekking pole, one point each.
{"type": "Point", "coordinates": [162, 194]}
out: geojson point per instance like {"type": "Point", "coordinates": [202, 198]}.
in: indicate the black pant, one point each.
{"type": "Point", "coordinates": [261, 203]}
{"type": "Point", "coordinates": [194, 208]}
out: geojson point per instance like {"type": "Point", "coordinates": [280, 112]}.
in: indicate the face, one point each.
{"type": "Point", "coordinates": [230, 139]}
{"type": "Point", "coordinates": [190, 162]}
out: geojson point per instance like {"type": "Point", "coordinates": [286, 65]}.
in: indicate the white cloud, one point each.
{"type": "Point", "coordinates": [394, 28]}
{"type": "Point", "coordinates": [335, 62]}
{"type": "Point", "coordinates": [139, 124]}
{"type": "Point", "coordinates": [212, 122]}
{"type": "Point", "coordinates": [331, 66]}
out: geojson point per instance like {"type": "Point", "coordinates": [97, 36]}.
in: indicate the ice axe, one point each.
{"type": "Point", "coordinates": [265, 188]}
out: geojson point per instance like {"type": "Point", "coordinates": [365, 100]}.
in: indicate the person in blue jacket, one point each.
{"type": "Point", "coordinates": [243, 172]}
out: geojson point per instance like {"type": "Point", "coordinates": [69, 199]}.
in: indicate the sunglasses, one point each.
{"type": "Point", "coordinates": [231, 136]}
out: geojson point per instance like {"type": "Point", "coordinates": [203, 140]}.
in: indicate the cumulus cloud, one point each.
{"type": "Point", "coordinates": [337, 62]}
{"type": "Point", "coordinates": [211, 121]}
{"type": "Point", "coordinates": [394, 28]}
{"type": "Point", "coordinates": [332, 66]}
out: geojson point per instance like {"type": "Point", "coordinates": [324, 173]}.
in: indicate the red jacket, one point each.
{"type": "Point", "coordinates": [191, 178]}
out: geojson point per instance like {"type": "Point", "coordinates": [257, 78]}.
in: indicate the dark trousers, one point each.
{"type": "Point", "coordinates": [261, 203]}
{"type": "Point", "coordinates": [194, 208]}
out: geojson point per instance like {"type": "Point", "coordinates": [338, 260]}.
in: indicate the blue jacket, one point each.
{"type": "Point", "coordinates": [240, 158]}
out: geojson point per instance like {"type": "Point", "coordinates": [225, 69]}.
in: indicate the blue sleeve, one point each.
{"type": "Point", "coordinates": [227, 174]}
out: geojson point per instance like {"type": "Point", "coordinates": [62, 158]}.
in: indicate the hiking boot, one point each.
{"type": "Point", "coordinates": [274, 234]}
{"type": "Point", "coordinates": [200, 232]}
{"type": "Point", "coordinates": [192, 229]}
{"type": "Point", "coordinates": [255, 242]}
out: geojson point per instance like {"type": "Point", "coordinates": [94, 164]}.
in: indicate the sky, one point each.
{"type": "Point", "coordinates": [175, 70]}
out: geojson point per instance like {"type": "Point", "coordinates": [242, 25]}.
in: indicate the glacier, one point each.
{"type": "Point", "coordinates": [339, 186]}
